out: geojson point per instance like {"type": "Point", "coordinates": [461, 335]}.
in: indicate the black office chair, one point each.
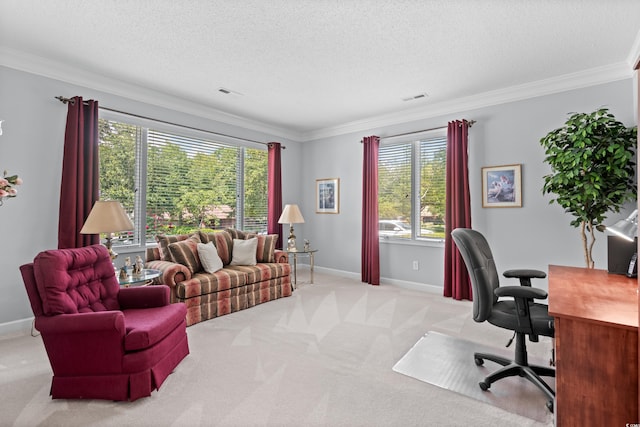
{"type": "Point", "coordinates": [520, 314]}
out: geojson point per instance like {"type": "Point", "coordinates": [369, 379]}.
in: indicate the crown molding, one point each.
{"type": "Point", "coordinates": [58, 71]}
{"type": "Point", "coordinates": [65, 73]}
{"type": "Point", "coordinates": [592, 77]}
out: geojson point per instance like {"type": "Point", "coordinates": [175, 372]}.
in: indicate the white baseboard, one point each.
{"type": "Point", "coordinates": [385, 281]}
{"type": "Point", "coordinates": [414, 286]}
{"type": "Point", "coordinates": [340, 273]}
{"type": "Point", "coordinates": [16, 327]}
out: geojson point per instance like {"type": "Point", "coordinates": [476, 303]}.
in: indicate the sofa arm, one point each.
{"type": "Point", "coordinates": [281, 257]}
{"type": "Point", "coordinates": [143, 297]}
{"type": "Point", "coordinates": [172, 272]}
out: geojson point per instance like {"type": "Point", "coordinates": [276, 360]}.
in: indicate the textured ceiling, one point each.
{"type": "Point", "coordinates": [304, 66]}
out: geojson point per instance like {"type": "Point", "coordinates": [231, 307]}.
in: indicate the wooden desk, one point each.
{"type": "Point", "coordinates": [596, 339]}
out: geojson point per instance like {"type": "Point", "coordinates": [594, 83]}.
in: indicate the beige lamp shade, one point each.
{"type": "Point", "coordinates": [291, 215]}
{"type": "Point", "coordinates": [106, 216]}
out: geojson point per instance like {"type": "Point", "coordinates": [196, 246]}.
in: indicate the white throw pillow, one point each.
{"type": "Point", "coordinates": [209, 257]}
{"type": "Point", "coordinates": [244, 251]}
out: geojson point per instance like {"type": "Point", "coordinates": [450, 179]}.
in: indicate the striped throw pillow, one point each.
{"type": "Point", "coordinates": [266, 247]}
{"type": "Point", "coordinates": [164, 241]}
{"type": "Point", "coordinates": [237, 234]}
{"type": "Point", "coordinates": [185, 252]}
{"type": "Point", "coordinates": [223, 243]}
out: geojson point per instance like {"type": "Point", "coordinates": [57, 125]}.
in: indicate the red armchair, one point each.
{"type": "Point", "coordinates": [103, 342]}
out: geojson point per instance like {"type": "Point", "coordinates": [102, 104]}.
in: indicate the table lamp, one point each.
{"type": "Point", "coordinates": [622, 254]}
{"type": "Point", "coordinates": [107, 216]}
{"type": "Point", "coordinates": [291, 215]}
{"type": "Point", "coordinates": [626, 228]}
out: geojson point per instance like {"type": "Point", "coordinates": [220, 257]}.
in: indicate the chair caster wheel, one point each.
{"type": "Point", "coordinates": [479, 361]}
{"type": "Point", "coordinates": [550, 406]}
{"type": "Point", "coordinates": [483, 385]}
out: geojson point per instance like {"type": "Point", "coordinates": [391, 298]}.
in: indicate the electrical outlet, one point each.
{"type": "Point", "coordinates": [416, 266]}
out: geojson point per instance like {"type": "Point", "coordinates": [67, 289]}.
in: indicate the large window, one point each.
{"type": "Point", "coordinates": [411, 183]}
{"type": "Point", "coordinates": [174, 182]}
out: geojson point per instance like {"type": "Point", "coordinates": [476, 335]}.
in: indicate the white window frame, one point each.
{"type": "Point", "coordinates": [415, 139]}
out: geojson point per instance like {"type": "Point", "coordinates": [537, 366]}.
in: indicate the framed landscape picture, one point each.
{"type": "Point", "coordinates": [328, 195]}
{"type": "Point", "coordinates": [502, 186]}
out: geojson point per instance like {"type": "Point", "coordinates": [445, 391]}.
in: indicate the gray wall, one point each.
{"type": "Point", "coordinates": [533, 236]}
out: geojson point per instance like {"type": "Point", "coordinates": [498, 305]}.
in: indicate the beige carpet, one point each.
{"type": "Point", "coordinates": [448, 362]}
{"type": "Point", "coordinates": [322, 357]}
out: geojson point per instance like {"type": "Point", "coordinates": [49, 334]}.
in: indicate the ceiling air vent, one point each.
{"type": "Point", "coordinates": [229, 91]}
{"type": "Point", "coordinates": [415, 97]}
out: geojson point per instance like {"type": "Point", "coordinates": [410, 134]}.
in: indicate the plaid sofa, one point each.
{"type": "Point", "coordinates": [232, 288]}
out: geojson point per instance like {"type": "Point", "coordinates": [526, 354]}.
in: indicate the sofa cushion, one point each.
{"type": "Point", "coordinates": [223, 243]}
{"type": "Point", "coordinates": [164, 241]}
{"type": "Point", "coordinates": [185, 252]}
{"type": "Point", "coordinates": [262, 271]}
{"type": "Point", "coordinates": [244, 252]}
{"type": "Point", "coordinates": [209, 257]}
{"type": "Point", "coordinates": [206, 283]}
{"type": "Point", "coordinates": [76, 280]}
{"type": "Point", "coordinates": [147, 326]}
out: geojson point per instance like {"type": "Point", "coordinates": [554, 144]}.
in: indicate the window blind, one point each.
{"type": "Point", "coordinates": [174, 184]}
{"type": "Point", "coordinates": [411, 188]}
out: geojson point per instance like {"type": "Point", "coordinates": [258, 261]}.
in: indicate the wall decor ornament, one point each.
{"type": "Point", "coordinates": [502, 186]}
{"type": "Point", "coordinates": [328, 195]}
{"type": "Point", "coordinates": [8, 185]}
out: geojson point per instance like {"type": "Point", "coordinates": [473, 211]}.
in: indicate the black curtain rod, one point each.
{"type": "Point", "coordinates": [471, 122]}
{"type": "Point", "coordinates": [72, 101]}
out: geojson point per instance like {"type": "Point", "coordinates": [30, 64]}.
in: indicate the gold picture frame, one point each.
{"type": "Point", "coordinates": [328, 196]}
{"type": "Point", "coordinates": [502, 186]}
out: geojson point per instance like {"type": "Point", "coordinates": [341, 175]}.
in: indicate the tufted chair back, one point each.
{"type": "Point", "coordinates": [77, 280]}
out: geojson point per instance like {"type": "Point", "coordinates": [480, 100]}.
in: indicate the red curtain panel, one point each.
{"type": "Point", "coordinates": [458, 210]}
{"type": "Point", "coordinates": [80, 180]}
{"type": "Point", "coordinates": [274, 197]}
{"type": "Point", "coordinates": [370, 242]}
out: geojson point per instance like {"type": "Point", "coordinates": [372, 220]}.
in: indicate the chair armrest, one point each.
{"type": "Point", "coordinates": [144, 297]}
{"type": "Point", "coordinates": [93, 322]}
{"type": "Point", "coordinates": [523, 297]}
{"type": "Point", "coordinates": [520, 292]}
{"type": "Point", "coordinates": [281, 257]}
{"type": "Point", "coordinates": [525, 275]}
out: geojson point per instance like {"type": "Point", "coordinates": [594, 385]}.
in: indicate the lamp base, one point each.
{"type": "Point", "coordinates": [291, 244]}
{"type": "Point", "coordinates": [112, 253]}
{"type": "Point", "coordinates": [291, 241]}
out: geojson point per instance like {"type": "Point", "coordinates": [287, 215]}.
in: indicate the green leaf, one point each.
{"type": "Point", "coordinates": [592, 162]}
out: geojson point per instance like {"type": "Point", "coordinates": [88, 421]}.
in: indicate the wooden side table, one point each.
{"type": "Point", "coordinates": [295, 253]}
{"type": "Point", "coordinates": [142, 279]}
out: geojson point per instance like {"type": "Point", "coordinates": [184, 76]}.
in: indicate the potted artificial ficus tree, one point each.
{"type": "Point", "coordinates": [592, 170]}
